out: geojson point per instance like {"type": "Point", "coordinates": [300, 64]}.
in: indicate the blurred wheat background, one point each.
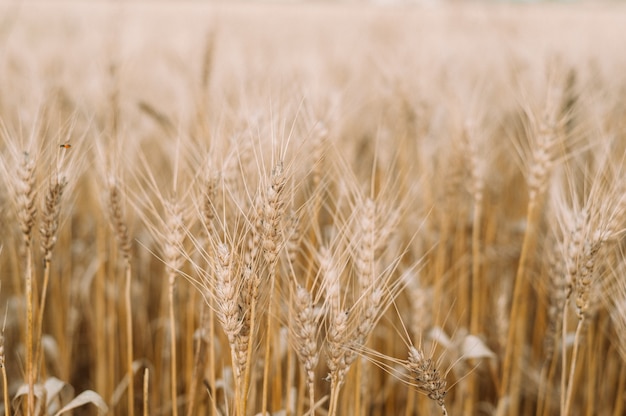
{"type": "Point", "coordinates": [313, 209]}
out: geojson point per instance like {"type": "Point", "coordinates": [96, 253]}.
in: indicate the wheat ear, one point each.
{"type": "Point", "coordinates": [306, 329]}
{"type": "Point", "coordinates": [541, 166]}
{"type": "Point", "coordinates": [48, 230]}
{"type": "Point", "coordinates": [26, 213]}
{"type": "Point", "coordinates": [337, 337]}
{"type": "Point", "coordinates": [583, 258]}
{"type": "Point", "coordinates": [427, 378]}
{"type": "Point", "coordinates": [272, 241]}
{"type": "Point", "coordinates": [174, 261]}
{"type": "Point", "coordinates": [338, 330]}
{"type": "Point", "coordinates": [228, 312]}
{"type": "Point", "coordinates": [207, 316]}
{"type": "Point", "coordinates": [118, 223]}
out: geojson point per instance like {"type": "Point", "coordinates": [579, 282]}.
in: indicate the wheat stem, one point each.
{"type": "Point", "coordinates": [146, 396]}
{"type": "Point", "coordinates": [129, 338]}
{"type": "Point", "coordinates": [3, 370]}
{"type": "Point", "coordinates": [567, 401]}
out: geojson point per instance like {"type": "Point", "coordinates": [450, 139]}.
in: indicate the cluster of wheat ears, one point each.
{"type": "Point", "coordinates": [313, 210]}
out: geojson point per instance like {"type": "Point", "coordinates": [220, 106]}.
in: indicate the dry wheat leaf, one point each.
{"type": "Point", "coordinates": [86, 397]}
{"type": "Point", "coordinates": [474, 347]}
{"type": "Point", "coordinates": [57, 393]}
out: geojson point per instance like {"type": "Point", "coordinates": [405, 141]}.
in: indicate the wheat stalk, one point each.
{"type": "Point", "coordinates": [542, 162]}
{"type": "Point", "coordinates": [3, 370]}
{"type": "Point", "coordinates": [207, 315]}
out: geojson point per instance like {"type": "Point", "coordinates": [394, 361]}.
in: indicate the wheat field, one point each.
{"type": "Point", "coordinates": [312, 209]}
